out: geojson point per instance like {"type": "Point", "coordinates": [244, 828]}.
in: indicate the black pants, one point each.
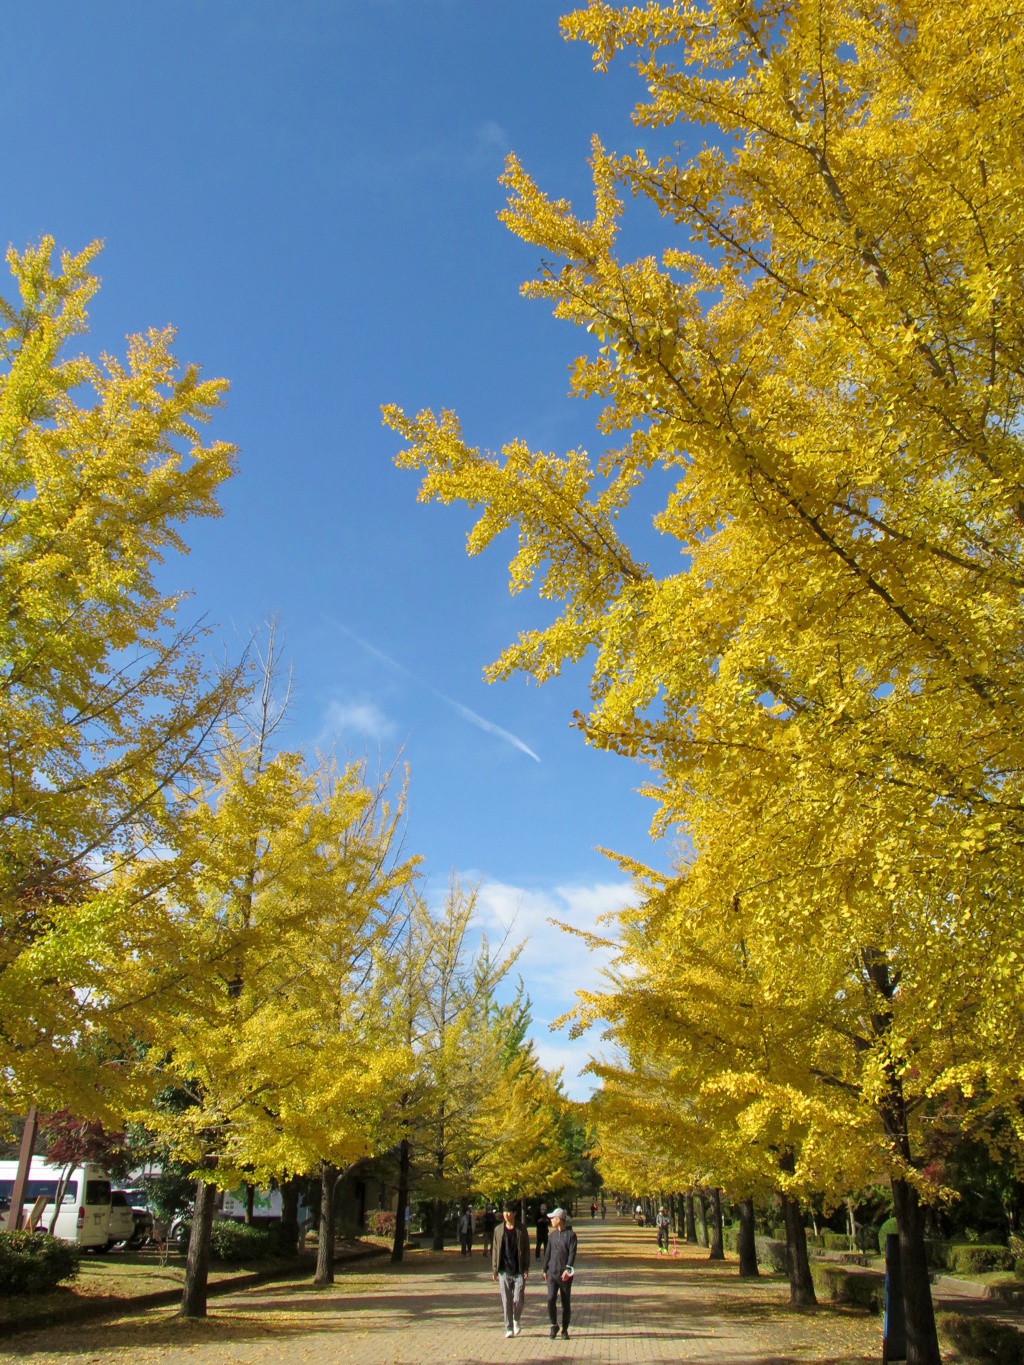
{"type": "Point", "coordinates": [467, 1244]}
{"type": "Point", "coordinates": [542, 1241]}
{"type": "Point", "coordinates": [556, 1287]}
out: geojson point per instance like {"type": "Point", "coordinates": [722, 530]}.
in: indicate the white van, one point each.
{"type": "Point", "coordinates": [84, 1214]}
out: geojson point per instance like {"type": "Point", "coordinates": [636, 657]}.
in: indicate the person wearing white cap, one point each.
{"type": "Point", "coordinates": [559, 1267]}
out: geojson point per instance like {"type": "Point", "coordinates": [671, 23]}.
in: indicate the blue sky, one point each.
{"type": "Point", "coordinates": [307, 190]}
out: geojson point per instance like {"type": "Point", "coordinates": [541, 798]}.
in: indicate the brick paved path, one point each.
{"type": "Point", "coordinates": [628, 1305]}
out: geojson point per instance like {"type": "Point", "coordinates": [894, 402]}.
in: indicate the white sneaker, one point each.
{"type": "Point", "coordinates": [516, 1330]}
{"type": "Point", "coordinates": [509, 1334]}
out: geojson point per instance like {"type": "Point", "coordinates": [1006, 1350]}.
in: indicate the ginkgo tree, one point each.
{"type": "Point", "coordinates": [830, 364]}
{"type": "Point", "coordinates": [257, 987]}
{"type": "Point", "coordinates": [106, 703]}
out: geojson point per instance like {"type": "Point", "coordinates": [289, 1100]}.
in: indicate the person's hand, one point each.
{"type": "Point", "coordinates": [494, 1278]}
{"type": "Point", "coordinates": [565, 1275]}
{"type": "Point", "coordinates": [526, 1276]}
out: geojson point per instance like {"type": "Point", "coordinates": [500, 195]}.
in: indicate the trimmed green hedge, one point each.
{"type": "Point", "coordinates": [982, 1339]}
{"type": "Point", "coordinates": [772, 1255]}
{"type": "Point", "coordinates": [836, 1241]}
{"type": "Point", "coordinates": [233, 1243]}
{"type": "Point", "coordinates": [35, 1262]}
{"type": "Point", "coordinates": [835, 1284]}
{"type": "Point", "coordinates": [976, 1258]}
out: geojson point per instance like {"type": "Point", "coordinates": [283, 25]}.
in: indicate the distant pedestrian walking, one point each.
{"type": "Point", "coordinates": [510, 1265]}
{"type": "Point", "coordinates": [593, 1210]}
{"type": "Point", "coordinates": [663, 1225]}
{"type": "Point", "coordinates": [559, 1268]}
{"type": "Point", "coordinates": [543, 1223]}
{"type": "Point", "coordinates": [466, 1232]}
{"type": "Point", "coordinates": [490, 1222]}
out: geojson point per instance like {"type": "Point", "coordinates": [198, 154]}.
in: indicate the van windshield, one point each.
{"type": "Point", "coordinates": [97, 1192]}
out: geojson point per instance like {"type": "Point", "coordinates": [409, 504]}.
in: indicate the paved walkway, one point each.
{"type": "Point", "coordinates": [628, 1305]}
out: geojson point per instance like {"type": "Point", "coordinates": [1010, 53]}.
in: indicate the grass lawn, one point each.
{"type": "Point", "coordinates": [120, 1276]}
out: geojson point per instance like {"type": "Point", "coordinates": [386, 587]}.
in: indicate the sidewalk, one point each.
{"type": "Point", "coordinates": [628, 1305]}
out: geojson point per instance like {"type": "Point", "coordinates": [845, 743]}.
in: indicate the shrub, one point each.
{"type": "Point", "coordinates": [867, 1238]}
{"type": "Point", "coordinates": [772, 1255]}
{"type": "Point", "coordinates": [381, 1222]}
{"type": "Point", "coordinates": [814, 1239]}
{"type": "Point", "coordinates": [978, 1258]}
{"type": "Point", "coordinates": [937, 1253]}
{"type": "Point", "coordinates": [836, 1241]}
{"type": "Point", "coordinates": [731, 1238]}
{"type": "Point", "coordinates": [982, 1339]}
{"type": "Point", "coordinates": [233, 1243]}
{"type": "Point", "coordinates": [836, 1284]}
{"type": "Point", "coordinates": [890, 1225]}
{"type": "Point", "coordinates": [34, 1262]}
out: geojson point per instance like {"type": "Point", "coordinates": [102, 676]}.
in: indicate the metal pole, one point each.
{"type": "Point", "coordinates": [28, 1143]}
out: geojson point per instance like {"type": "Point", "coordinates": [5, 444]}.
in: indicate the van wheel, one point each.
{"type": "Point", "coordinates": [102, 1251]}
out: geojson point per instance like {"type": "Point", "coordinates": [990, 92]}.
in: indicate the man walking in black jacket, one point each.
{"type": "Point", "coordinates": [559, 1267]}
{"type": "Point", "coordinates": [510, 1265]}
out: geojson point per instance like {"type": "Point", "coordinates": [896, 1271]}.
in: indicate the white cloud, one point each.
{"type": "Point", "coordinates": [554, 965]}
{"type": "Point", "coordinates": [356, 717]}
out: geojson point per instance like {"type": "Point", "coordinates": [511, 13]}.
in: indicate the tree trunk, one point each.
{"type": "Point", "coordinates": [325, 1249]}
{"type": "Point", "coordinates": [250, 1201]}
{"type": "Point", "coordinates": [801, 1286]}
{"type": "Point", "coordinates": [398, 1249]}
{"type": "Point", "coordinates": [745, 1243]}
{"type": "Point", "coordinates": [289, 1231]}
{"type": "Point", "coordinates": [438, 1220]}
{"type": "Point", "coordinates": [197, 1266]}
{"type": "Point", "coordinates": [702, 1218]}
{"type": "Point", "coordinates": [918, 1311]}
{"type": "Point", "coordinates": [673, 1220]}
{"type": "Point", "coordinates": [691, 1222]}
{"type": "Point", "coordinates": [717, 1233]}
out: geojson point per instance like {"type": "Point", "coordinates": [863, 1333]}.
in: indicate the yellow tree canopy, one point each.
{"type": "Point", "coordinates": [104, 702]}
{"type": "Point", "coordinates": [261, 992]}
{"type": "Point", "coordinates": [829, 366]}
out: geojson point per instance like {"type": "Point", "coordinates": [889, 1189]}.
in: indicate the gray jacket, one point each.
{"type": "Point", "coordinates": [559, 1253]}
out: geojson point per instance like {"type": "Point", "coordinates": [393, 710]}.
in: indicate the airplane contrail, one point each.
{"type": "Point", "coordinates": [479, 721]}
